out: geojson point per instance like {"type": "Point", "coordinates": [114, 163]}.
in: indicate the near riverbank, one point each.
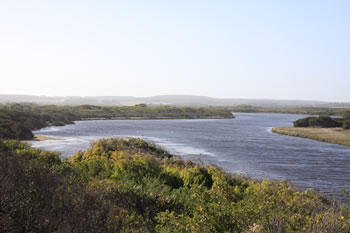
{"type": "Point", "coordinates": [131, 185]}
{"type": "Point", "coordinates": [331, 135]}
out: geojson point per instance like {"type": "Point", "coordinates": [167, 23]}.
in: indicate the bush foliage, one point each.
{"type": "Point", "coordinates": [346, 124]}
{"type": "Point", "coordinates": [129, 185]}
{"type": "Point", "coordinates": [321, 121]}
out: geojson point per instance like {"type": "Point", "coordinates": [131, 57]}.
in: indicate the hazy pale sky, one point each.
{"type": "Point", "coordinates": [282, 49]}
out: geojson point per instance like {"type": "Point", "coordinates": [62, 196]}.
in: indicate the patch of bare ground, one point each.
{"type": "Point", "coordinates": [39, 138]}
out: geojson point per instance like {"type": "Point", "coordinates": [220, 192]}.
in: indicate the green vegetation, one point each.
{"type": "Point", "coordinates": [129, 185]}
{"type": "Point", "coordinates": [346, 124]}
{"type": "Point", "coordinates": [18, 121]}
{"type": "Point", "coordinates": [321, 121]}
{"type": "Point", "coordinates": [142, 111]}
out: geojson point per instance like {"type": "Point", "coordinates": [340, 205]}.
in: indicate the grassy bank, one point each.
{"type": "Point", "coordinates": [129, 185]}
{"type": "Point", "coordinates": [331, 135]}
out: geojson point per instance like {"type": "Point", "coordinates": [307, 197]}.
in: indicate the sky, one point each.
{"type": "Point", "coordinates": [254, 49]}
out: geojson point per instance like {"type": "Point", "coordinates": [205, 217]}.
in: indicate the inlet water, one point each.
{"type": "Point", "coordinates": [243, 145]}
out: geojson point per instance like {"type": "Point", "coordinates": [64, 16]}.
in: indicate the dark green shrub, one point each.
{"type": "Point", "coordinates": [346, 124]}
{"type": "Point", "coordinates": [304, 122]}
{"type": "Point", "coordinates": [324, 122]}
{"type": "Point", "coordinates": [321, 121]}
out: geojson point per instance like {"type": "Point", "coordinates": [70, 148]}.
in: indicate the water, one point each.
{"type": "Point", "coordinates": [243, 145]}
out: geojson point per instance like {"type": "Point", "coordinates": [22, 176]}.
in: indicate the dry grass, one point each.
{"type": "Point", "coordinates": [331, 135]}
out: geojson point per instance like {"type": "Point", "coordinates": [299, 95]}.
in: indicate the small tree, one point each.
{"type": "Point", "coordinates": [346, 124]}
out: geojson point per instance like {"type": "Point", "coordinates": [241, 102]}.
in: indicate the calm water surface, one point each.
{"type": "Point", "coordinates": [242, 145]}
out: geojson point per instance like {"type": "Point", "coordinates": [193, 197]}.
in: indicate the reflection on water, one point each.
{"type": "Point", "coordinates": [243, 145]}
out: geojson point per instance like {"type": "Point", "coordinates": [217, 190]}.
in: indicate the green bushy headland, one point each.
{"type": "Point", "coordinates": [17, 121]}
{"type": "Point", "coordinates": [130, 185]}
{"type": "Point", "coordinates": [323, 122]}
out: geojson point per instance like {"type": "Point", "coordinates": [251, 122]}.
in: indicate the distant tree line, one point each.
{"type": "Point", "coordinates": [17, 121]}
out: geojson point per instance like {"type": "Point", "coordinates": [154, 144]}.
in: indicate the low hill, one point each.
{"type": "Point", "coordinates": [178, 100]}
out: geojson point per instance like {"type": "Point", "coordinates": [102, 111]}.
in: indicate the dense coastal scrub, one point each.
{"type": "Point", "coordinates": [322, 122]}
{"type": "Point", "coordinates": [17, 121]}
{"type": "Point", "coordinates": [130, 185]}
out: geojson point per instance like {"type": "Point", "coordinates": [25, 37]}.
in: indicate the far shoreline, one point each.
{"type": "Point", "coordinates": [159, 118]}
